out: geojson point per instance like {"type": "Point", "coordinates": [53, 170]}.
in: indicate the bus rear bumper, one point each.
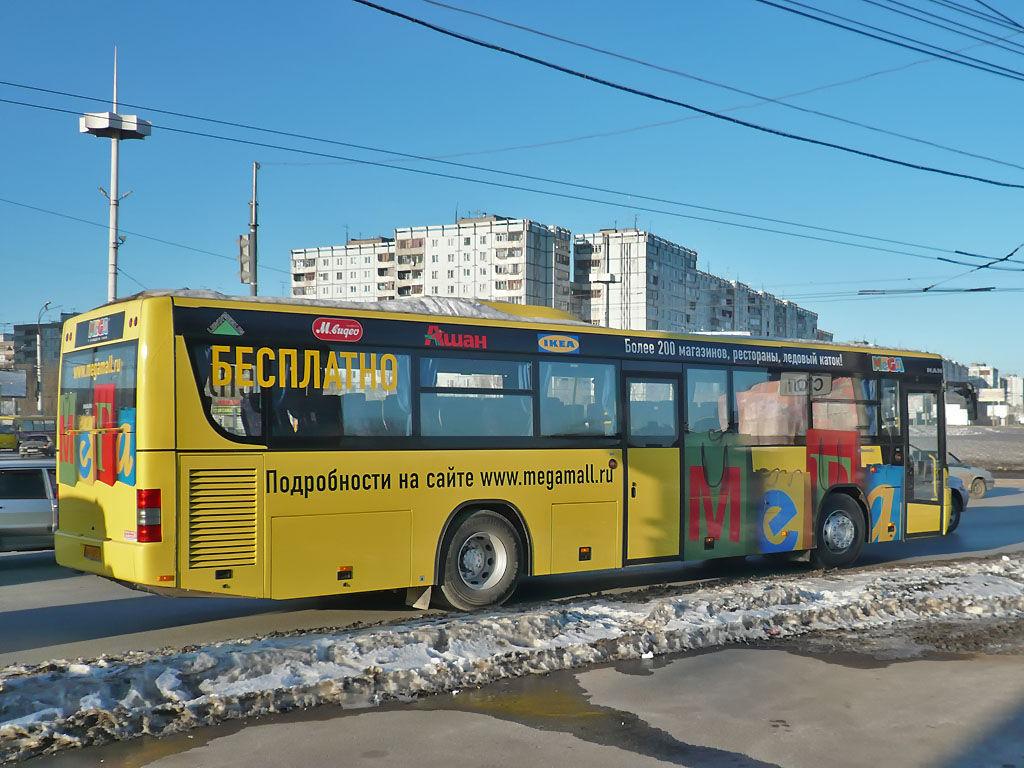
{"type": "Point", "coordinates": [119, 560]}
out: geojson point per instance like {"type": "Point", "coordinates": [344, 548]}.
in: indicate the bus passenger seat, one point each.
{"type": "Point", "coordinates": [396, 420]}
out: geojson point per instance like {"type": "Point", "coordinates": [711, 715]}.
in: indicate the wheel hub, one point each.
{"type": "Point", "coordinates": [482, 561]}
{"type": "Point", "coordinates": [839, 532]}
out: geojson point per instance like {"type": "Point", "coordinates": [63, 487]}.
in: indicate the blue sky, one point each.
{"type": "Point", "coordinates": [340, 71]}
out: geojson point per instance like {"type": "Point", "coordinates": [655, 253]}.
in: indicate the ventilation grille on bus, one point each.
{"type": "Point", "coordinates": [221, 518]}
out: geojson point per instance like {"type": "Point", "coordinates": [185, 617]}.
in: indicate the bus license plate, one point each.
{"type": "Point", "coordinates": [92, 552]}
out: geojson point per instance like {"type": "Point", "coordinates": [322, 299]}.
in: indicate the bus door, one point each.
{"type": "Point", "coordinates": [652, 459]}
{"type": "Point", "coordinates": [925, 475]}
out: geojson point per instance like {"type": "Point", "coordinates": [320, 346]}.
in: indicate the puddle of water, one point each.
{"type": "Point", "coordinates": [557, 703]}
{"type": "Point", "coordinates": [553, 702]}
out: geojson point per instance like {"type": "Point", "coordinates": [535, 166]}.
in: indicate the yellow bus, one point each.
{"type": "Point", "coordinates": [8, 434]}
{"type": "Point", "coordinates": [13, 427]}
{"type": "Point", "coordinates": [272, 448]}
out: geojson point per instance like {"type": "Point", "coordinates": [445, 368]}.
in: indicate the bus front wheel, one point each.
{"type": "Point", "coordinates": [839, 533]}
{"type": "Point", "coordinates": [481, 562]}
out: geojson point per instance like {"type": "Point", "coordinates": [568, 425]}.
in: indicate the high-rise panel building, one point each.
{"type": "Point", "coordinates": [626, 278]}
{"type": "Point", "coordinates": [488, 257]}
{"type": "Point", "coordinates": [360, 270]}
{"type": "Point", "coordinates": [634, 279]}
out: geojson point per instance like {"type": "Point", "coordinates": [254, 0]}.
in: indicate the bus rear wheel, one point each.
{"type": "Point", "coordinates": [482, 562]}
{"type": "Point", "coordinates": [839, 533]}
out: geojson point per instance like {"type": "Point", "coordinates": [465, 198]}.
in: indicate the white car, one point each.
{"type": "Point", "coordinates": [977, 480]}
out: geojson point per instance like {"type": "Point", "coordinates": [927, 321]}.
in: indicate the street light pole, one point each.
{"type": "Point", "coordinates": [117, 128]}
{"type": "Point", "coordinates": [608, 280]}
{"type": "Point", "coordinates": [39, 358]}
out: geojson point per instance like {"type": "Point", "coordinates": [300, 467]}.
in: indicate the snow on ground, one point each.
{"type": "Point", "coordinates": [64, 704]}
{"type": "Point", "coordinates": [998, 449]}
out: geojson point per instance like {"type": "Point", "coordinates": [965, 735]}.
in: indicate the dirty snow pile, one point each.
{"type": "Point", "coordinates": [63, 704]}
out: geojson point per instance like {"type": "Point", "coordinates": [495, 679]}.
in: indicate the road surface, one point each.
{"type": "Point", "coordinates": [48, 612]}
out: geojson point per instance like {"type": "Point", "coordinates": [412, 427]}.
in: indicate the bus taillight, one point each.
{"type": "Point", "coordinates": [147, 520]}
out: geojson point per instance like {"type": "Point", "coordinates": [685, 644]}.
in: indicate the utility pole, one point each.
{"type": "Point", "coordinates": [115, 127]}
{"type": "Point", "coordinates": [608, 280]}
{"type": "Point", "coordinates": [247, 243]}
{"type": "Point", "coordinates": [39, 357]}
{"type": "Point", "coordinates": [253, 223]}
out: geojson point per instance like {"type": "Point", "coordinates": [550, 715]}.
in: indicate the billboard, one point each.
{"type": "Point", "coordinates": [12, 383]}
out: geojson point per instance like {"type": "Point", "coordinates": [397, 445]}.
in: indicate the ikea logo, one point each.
{"type": "Point", "coordinates": [557, 342]}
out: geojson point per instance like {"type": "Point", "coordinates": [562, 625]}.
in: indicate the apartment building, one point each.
{"type": "Point", "coordinates": [486, 257]}
{"type": "Point", "coordinates": [635, 279]}
{"type": "Point", "coordinates": [628, 278]}
{"type": "Point", "coordinates": [6, 350]}
{"type": "Point", "coordinates": [360, 270]}
{"type": "Point", "coordinates": [985, 372]}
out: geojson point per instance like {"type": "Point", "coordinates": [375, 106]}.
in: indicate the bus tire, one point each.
{"type": "Point", "coordinates": [482, 562]}
{"type": "Point", "coordinates": [954, 514]}
{"type": "Point", "coordinates": [839, 532]}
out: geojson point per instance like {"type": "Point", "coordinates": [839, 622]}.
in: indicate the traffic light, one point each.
{"type": "Point", "coordinates": [244, 260]}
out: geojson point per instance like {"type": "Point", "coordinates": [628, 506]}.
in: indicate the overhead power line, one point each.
{"type": "Point", "coordinates": [665, 100]}
{"type": "Point", "coordinates": [937, 51]}
{"type": "Point", "coordinates": [564, 195]}
{"type": "Point", "coordinates": [764, 99]}
{"type": "Point", "coordinates": [106, 225]}
{"type": "Point", "coordinates": [999, 14]}
{"type": "Point", "coordinates": [468, 166]}
{"type": "Point", "coordinates": [630, 195]}
{"type": "Point", "coordinates": [974, 12]}
{"type": "Point", "coordinates": [912, 13]}
{"type": "Point", "coordinates": [987, 265]}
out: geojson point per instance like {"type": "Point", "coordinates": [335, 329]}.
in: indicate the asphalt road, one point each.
{"type": "Point", "coordinates": [732, 708]}
{"type": "Point", "coordinates": [49, 612]}
{"type": "Point", "coordinates": [790, 705]}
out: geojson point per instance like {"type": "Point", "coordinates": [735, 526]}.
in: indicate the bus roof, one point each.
{"type": "Point", "coordinates": [491, 311]}
{"type": "Point", "coordinates": [419, 305]}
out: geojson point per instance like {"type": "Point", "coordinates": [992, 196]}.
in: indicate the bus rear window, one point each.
{"type": "Point", "coordinates": [97, 413]}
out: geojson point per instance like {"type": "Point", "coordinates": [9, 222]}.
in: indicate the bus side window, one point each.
{"type": "Point", "coordinates": [578, 399]}
{"type": "Point", "coordinates": [475, 397]}
{"type": "Point", "coordinates": [770, 407]}
{"type": "Point", "coordinates": [850, 405]}
{"type": "Point", "coordinates": [707, 407]}
{"type": "Point", "coordinates": [890, 407]}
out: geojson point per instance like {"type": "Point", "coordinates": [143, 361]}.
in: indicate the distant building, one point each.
{"type": "Point", "coordinates": [984, 371]}
{"type": "Point", "coordinates": [1013, 386]}
{"type": "Point", "coordinates": [488, 257]}
{"type": "Point", "coordinates": [25, 359]}
{"type": "Point", "coordinates": [954, 372]}
{"type": "Point", "coordinates": [627, 278]}
{"type": "Point", "coordinates": [642, 281]}
{"type": "Point", "coordinates": [360, 270]}
{"type": "Point", "coordinates": [652, 280]}
{"type": "Point", "coordinates": [6, 350]}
